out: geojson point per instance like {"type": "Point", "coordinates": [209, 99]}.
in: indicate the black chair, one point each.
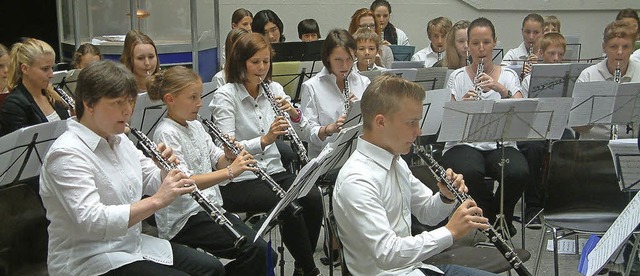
{"type": "Point", "coordinates": [402, 52]}
{"type": "Point", "coordinates": [583, 194]}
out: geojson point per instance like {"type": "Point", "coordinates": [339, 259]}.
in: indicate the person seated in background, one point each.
{"type": "Point", "coordinates": [308, 30]}
{"type": "Point", "coordinates": [4, 69]}
{"type": "Point", "coordinates": [140, 55]}
{"type": "Point", "coordinates": [219, 79]}
{"type": "Point", "coordinates": [32, 99]}
{"type": "Point", "coordinates": [456, 43]}
{"type": "Point", "coordinates": [437, 30]}
{"type": "Point", "coordinates": [86, 53]}
{"type": "Point", "coordinates": [618, 39]}
{"type": "Point", "coordinates": [551, 24]}
{"type": "Point", "coordinates": [376, 193]}
{"type": "Point", "coordinates": [267, 23]}
{"type": "Point", "coordinates": [531, 32]}
{"type": "Point", "coordinates": [391, 35]}
{"type": "Point", "coordinates": [368, 45]}
{"type": "Point", "coordinates": [240, 19]}
{"type": "Point", "coordinates": [552, 49]}
{"type": "Point", "coordinates": [364, 18]}
{"type": "Point", "coordinates": [631, 16]}
{"type": "Point", "coordinates": [91, 183]}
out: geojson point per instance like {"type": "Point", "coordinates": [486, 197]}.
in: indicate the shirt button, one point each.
{"type": "Point", "coordinates": [256, 105]}
{"type": "Point", "coordinates": [260, 117]}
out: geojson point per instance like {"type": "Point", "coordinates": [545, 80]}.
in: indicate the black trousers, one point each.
{"type": "Point", "coordinates": [202, 232]}
{"type": "Point", "coordinates": [474, 165]}
{"type": "Point", "coordinates": [186, 261]}
{"type": "Point", "coordinates": [300, 234]}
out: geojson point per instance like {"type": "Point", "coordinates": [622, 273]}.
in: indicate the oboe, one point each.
{"type": "Point", "coordinates": [502, 246]}
{"type": "Point", "coordinates": [260, 173]}
{"type": "Point", "coordinates": [297, 143]}
{"type": "Point", "coordinates": [477, 87]}
{"type": "Point", "coordinates": [439, 53]}
{"type": "Point", "coordinates": [617, 75]}
{"type": "Point", "coordinates": [216, 214]}
{"type": "Point", "coordinates": [468, 59]}
{"type": "Point", "coordinates": [526, 62]}
{"type": "Point", "coordinates": [65, 97]}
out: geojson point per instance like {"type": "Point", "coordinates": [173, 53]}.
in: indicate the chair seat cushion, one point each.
{"type": "Point", "coordinates": [483, 258]}
{"type": "Point", "coordinates": [582, 220]}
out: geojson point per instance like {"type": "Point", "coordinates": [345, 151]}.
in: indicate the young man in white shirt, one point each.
{"type": "Point", "coordinates": [92, 180]}
{"type": "Point", "coordinates": [437, 30]}
{"type": "Point", "coordinates": [375, 193]}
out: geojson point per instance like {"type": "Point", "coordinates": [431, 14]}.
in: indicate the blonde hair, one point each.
{"type": "Point", "coordinates": [366, 34]}
{"type": "Point", "coordinates": [452, 60]}
{"type": "Point", "coordinates": [442, 23]}
{"type": "Point", "coordinates": [385, 94]}
{"type": "Point", "coordinates": [27, 52]}
{"type": "Point", "coordinates": [552, 39]}
{"type": "Point", "coordinates": [170, 81]}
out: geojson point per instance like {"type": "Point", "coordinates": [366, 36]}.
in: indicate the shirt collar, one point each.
{"type": "Point", "coordinates": [604, 71]}
{"type": "Point", "coordinates": [379, 155]}
{"type": "Point", "coordinates": [88, 137]}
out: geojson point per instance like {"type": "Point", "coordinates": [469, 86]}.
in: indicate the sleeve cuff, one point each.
{"type": "Point", "coordinates": [253, 146]}
{"type": "Point", "coordinates": [443, 237]}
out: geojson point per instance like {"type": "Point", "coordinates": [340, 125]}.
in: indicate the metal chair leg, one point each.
{"type": "Point", "coordinates": [540, 248]}
{"type": "Point", "coordinates": [633, 255]}
{"type": "Point", "coordinates": [556, 269]}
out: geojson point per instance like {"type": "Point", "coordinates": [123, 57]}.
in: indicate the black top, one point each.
{"type": "Point", "coordinates": [21, 110]}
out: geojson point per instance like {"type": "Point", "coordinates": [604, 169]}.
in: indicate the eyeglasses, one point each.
{"type": "Point", "coordinates": [368, 26]}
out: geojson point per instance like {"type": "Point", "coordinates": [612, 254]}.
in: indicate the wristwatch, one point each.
{"type": "Point", "coordinates": [509, 94]}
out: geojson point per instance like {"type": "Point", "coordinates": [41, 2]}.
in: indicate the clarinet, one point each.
{"type": "Point", "coordinates": [260, 173]}
{"type": "Point", "coordinates": [214, 212]}
{"type": "Point", "coordinates": [297, 143]}
{"type": "Point", "coordinates": [617, 75]}
{"type": "Point", "coordinates": [502, 246]}
{"type": "Point", "coordinates": [524, 65]}
{"type": "Point", "coordinates": [65, 97]}
{"type": "Point", "coordinates": [476, 86]}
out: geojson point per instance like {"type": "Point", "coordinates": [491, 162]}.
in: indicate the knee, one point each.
{"type": "Point", "coordinates": [214, 268]}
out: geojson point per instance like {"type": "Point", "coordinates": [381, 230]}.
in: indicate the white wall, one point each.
{"type": "Point", "coordinates": [586, 18]}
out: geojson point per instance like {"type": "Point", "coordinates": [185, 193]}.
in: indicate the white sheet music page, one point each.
{"type": "Point", "coordinates": [554, 114]}
{"type": "Point", "coordinates": [547, 80]}
{"type": "Point", "coordinates": [407, 74]}
{"type": "Point", "coordinates": [626, 103]}
{"type": "Point", "coordinates": [522, 114]}
{"type": "Point", "coordinates": [574, 72]}
{"type": "Point", "coordinates": [432, 109]}
{"type": "Point", "coordinates": [626, 159]}
{"type": "Point", "coordinates": [354, 117]}
{"type": "Point", "coordinates": [617, 234]}
{"type": "Point", "coordinates": [592, 103]}
{"type": "Point", "coordinates": [427, 76]}
{"type": "Point", "coordinates": [457, 118]}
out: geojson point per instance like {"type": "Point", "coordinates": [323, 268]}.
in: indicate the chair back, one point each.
{"type": "Point", "coordinates": [581, 178]}
{"type": "Point", "coordinates": [402, 52]}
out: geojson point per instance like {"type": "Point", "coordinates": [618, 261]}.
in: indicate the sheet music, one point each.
{"type": "Point", "coordinates": [574, 73]}
{"type": "Point", "coordinates": [371, 74]}
{"type": "Point", "coordinates": [524, 112]}
{"type": "Point", "coordinates": [626, 103]}
{"type": "Point", "coordinates": [547, 80]}
{"type": "Point", "coordinates": [559, 116]}
{"type": "Point", "coordinates": [615, 236]}
{"type": "Point", "coordinates": [456, 117]}
{"type": "Point", "coordinates": [58, 76]}
{"type": "Point", "coordinates": [407, 74]}
{"type": "Point", "coordinates": [432, 108]}
{"type": "Point", "coordinates": [147, 114]}
{"type": "Point", "coordinates": [626, 159]}
{"type": "Point", "coordinates": [432, 77]}
{"type": "Point", "coordinates": [592, 103]}
{"type": "Point", "coordinates": [354, 117]}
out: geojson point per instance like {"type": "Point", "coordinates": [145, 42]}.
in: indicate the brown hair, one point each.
{"type": "Point", "coordinates": [84, 49]}
{"type": "Point", "coordinates": [131, 40]}
{"type": "Point", "coordinates": [553, 21]}
{"type": "Point", "coordinates": [244, 48]}
{"type": "Point", "coordinates": [27, 52]}
{"type": "Point", "coordinates": [240, 14]}
{"type": "Point", "coordinates": [3, 50]}
{"type": "Point", "coordinates": [451, 60]}
{"type": "Point", "coordinates": [337, 38]}
{"type": "Point", "coordinates": [366, 34]}
{"type": "Point", "coordinates": [442, 23]}
{"type": "Point", "coordinates": [232, 36]}
{"type": "Point", "coordinates": [355, 20]}
{"type": "Point", "coordinates": [619, 29]}
{"type": "Point", "coordinates": [385, 94]}
{"type": "Point", "coordinates": [535, 18]}
{"type": "Point", "coordinates": [552, 39]}
{"type": "Point", "coordinates": [103, 79]}
{"type": "Point", "coordinates": [170, 81]}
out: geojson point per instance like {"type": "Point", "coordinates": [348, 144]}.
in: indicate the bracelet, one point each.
{"type": "Point", "coordinates": [446, 199]}
{"type": "Point", "coordinates": [230, 172]}
{"type": "Point", "coordinates": [299, 116]}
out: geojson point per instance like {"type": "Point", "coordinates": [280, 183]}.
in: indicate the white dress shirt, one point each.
{"type": "Point", "coordinates": [219, 79]}
{"type": "Point", "coordinates": [197, 153]}
{"type": "Point", "coordinates": [516, 56]}
{"type": "Point", "coordinates": [238, 114]}
{"type": "Point", "coordinates": [460, 83]}
{"type": "Point", "coordinates": [599, 72]}
{"type": "Point", "coordinates": [374, 197]}
{"type": "Point", "coordinates": [524, 86]}
{"type": "Point", "coordinates": [87, 186]}
{"type": "Point", "coordinates": [323, 102]}
{"type": "Point", "coordinates": [635, 56]}
{"type": "Point", "coordinates": [402, 37]}
{"type": "Point", "coordinates": [428, 55]}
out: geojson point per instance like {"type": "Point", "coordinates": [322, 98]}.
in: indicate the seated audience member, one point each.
{"type": "Point", "coordinates": [308, 30]}
{"type": "Point", "coordinates": [267, 23]}
{"type": "Point", "coordinates": [376, 193]}
{"type": "Point", "coordinates": [31, 99]}
{"type": "Point", "coordinates": [618, 40]}
{"type": "Point", "coordinates": [92, 180]}
{"type": "Point", "coordinates": [86, 53]}
{"type": "Point", "coordinates": [437, 30]}
{"type": "Point", "coordinates": [390, 34]}
{"type": "Point", "coordinates": [140, 55]}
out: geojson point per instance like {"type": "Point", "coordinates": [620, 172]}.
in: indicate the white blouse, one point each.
{"type": "Point", "coordinates": [87, 186]}
{"type": "Point", "coordinates": [197, 153]}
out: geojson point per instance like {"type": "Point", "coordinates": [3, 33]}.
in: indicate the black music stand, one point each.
{"type": "Point", "coordinates": [626, 158]}
{"type": "Point", "coordinates": [22, 151]}
{"type": "Point", "coordinates": [504, 120]}
{"type": "Point", "coordinates": [147, 114]}
{"type": "Point", "coordinates": [297, 51]}
{"type": "Point", "coordinates": [68, 81]}
{"type": "Point", "coordinates": [431, 78]}
{"type": "Point", "coordinates": [604, 103]}
{"type": "Point", "coordinates": [208, 90]}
